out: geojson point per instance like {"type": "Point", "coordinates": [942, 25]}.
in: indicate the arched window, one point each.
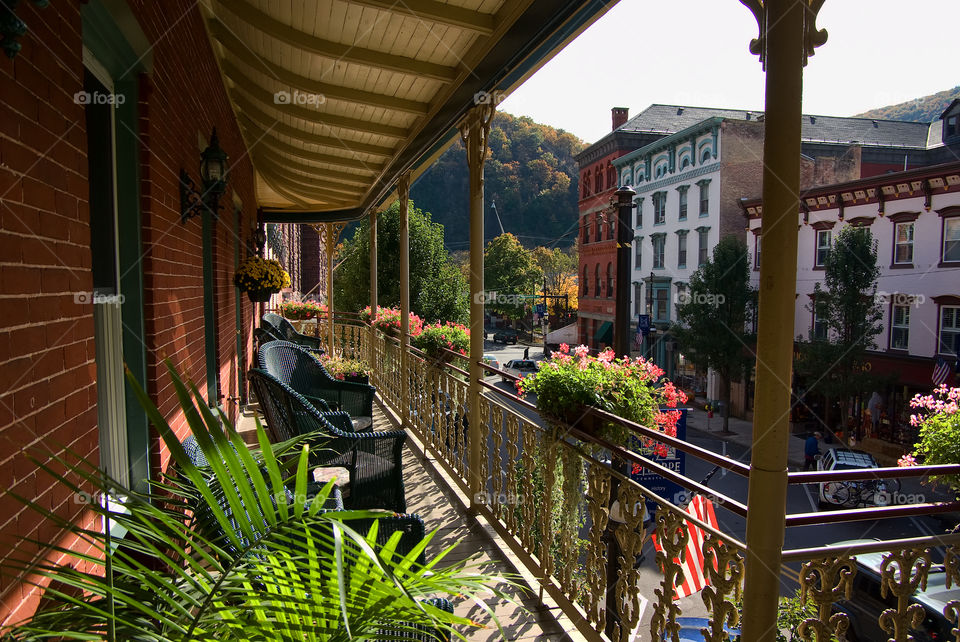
{"type": "Point", "coordinates": [596, 280]}
{"type": "Point", "coordinates": [705, 155]}
{"type": "Point", "coordinates": [598, 181]}
{"type": "Point", "coordinates": [685, 162]}
{"type": "Point", "coordinates": [586, 282]}
{"type": "Point", "coordinates": [611, 176]}
{"type": "Point", "coordinates": [609, 280]}
{"type": "Point", "coordinates": [598, 229]}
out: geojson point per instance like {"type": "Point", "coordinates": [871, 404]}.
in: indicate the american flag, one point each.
{"type": "Point", "coordinates": [940, 372]}
{"type": "Point", "coordinates": [694, 574]}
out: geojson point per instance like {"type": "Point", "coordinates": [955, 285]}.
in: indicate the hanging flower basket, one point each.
{"type": "Point", "coordinates": [260, 278]}
{"type": "Point", "coordinates": [260, 296]}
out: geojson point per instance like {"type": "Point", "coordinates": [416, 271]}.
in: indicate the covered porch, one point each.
{"type": "Point", "coordinates": [392, 103]}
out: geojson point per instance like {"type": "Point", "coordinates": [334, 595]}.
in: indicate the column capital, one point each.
{"type": "Point", "coordinates": [812, 36]}
{"type": "Point", "coordinates": [475, 132]}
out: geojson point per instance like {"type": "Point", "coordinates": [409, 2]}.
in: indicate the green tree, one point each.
{"type": "Point", "coordinates": [712, 316]}
{"type": "Point", "coordinates": [846, 308]}
{"type": "Point", "coordinates": [559, 269]}
{"type": "Point", "coordinates": [509, 270]}
{"type": "Point", "coordinates": [438, 291]}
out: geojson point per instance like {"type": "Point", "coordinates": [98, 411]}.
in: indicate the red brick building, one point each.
{"type": "Point", "coordinates": [98, 271]}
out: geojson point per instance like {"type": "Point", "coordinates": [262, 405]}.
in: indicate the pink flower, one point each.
{"type": "Point", "coordinates": [906, 461]}
{"type": "Point", "coordinates": [564, 348]}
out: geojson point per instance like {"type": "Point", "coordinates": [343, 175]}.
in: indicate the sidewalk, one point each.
{"type": "Point", "coordinates": [741, 433]}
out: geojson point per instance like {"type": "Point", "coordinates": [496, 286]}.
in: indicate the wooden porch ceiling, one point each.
{"type": "Point", "coordinates": [337, 98]}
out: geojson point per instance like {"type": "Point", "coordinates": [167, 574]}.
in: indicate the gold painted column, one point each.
{"type": "Point", "coordinates": [403, 193]}
{"type": "Point", "coordinates": [371, 350]}
{"type": "Point", "coordinates": [330, 243]}
{"type": "Point", "coordinates": [787, 37]}
{"type": "Point", "coordinates": [475, 133]}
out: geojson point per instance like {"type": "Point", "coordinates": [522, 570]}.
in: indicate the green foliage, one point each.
{"type": "Point", "coordinates": [713, 315]}
{"type": "Point", "coordinates": [341, 367]}
{"type": "Point", "coordinates": [435, 339]}
{"type": "Point", "coordinates": [438, 292]}
{"type": "Point", "coordinates": [531, 175]}
{"type": "Point", "coordinates": [939, 422]}
{"type": "Point", "coordinates": [509, 270]}
{"type": "Point", "coordinates": [256, 563]}
{"type": "Point", "coordinates": [847, 305]}
{"type": "Point", "coordinates": [924, 110]}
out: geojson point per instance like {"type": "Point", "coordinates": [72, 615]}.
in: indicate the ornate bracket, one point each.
{"type": "Point", "coordinates": [630, 536]}
{"type": "Point", "coordinates": [673, 537]}
{"type": "Point", "coordinates": [824, 582]}
{"type": "Point", "coordinates": [11, 27]}
{"type": "Point", "coordinates": [902, 573]}
{"type": "Point", "coordinates": [724, 567]}
{"type": "Point", "coordinates": [812, 37]}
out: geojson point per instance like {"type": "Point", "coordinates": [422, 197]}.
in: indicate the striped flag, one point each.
{"type": "Point", "coordinates": [694, 575]}
{"type": "Point", "coordinates": [940, 372]}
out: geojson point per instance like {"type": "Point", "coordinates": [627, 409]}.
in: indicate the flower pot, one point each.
{"type": "Point", "coordinates": [356, 378]}
{"type": "Point", "coordinates": [260, 296]}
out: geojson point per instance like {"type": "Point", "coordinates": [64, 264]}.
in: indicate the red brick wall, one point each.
{"type": "Point", "coordinates": [46, 339]}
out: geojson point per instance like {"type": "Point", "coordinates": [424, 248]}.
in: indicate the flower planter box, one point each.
{"type": "Point", "coordinates": [360, 378]}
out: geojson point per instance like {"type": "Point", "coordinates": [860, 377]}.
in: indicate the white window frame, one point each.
{"type": "Point", "coordinates": [950, 222]}
{"type": "Point", "coordinates": [897, 243]}
{"type": "Point", "coordinates": [903, 327]}
{"type": "Point", "coordinates": [944, 345]}
{"type": "Point", "coordinates": [818, 259]}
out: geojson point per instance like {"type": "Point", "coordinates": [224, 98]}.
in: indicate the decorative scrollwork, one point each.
{"type": "Point", "coordinates": [824, 581]}
{"type": "Point", "coordinates": [951, 564]}
{"type": "Point", "coordinates": [724, 567]}
{"type": "Point", "coordinates": [902, 573]}
{"type": "Point", "coordinates": [513, 448]}
{"type": "Point", "coordinates": [527, 527]}
{"type": "Point", "coordinates": [629, 535]}
{"type": "Point", "coordinates": [812, 36]}
{"type": "Point", "coordinates": [548, 466]}
{"type": "Point", "coordinates": [952, 612]}
{"type": "Point", "coordinates": [672, 536]}
{"type": "Point", "coordinates": [572, 468]}
{"type": "Point", "coordinates": [598, 480]}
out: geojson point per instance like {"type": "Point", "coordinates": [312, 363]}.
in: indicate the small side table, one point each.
{"type": "Point", "coordinates": [340, 475]}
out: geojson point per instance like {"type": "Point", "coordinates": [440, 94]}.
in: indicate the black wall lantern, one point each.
{"type": "Point", "coordinates": [214, 177]}
{"type": "Point", "coordinates": [13, 28]}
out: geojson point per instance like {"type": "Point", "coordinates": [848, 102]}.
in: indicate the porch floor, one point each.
{"type": "Point", "coordinates": [443, 510]}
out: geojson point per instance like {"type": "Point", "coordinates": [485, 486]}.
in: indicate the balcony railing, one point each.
{"type": "Point", "coordinates": [550, 499]}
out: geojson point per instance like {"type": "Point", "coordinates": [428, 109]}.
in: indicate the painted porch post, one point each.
{"type": "Point", "coordinates": [403, 192]}
{"type": "Point", "coordinates": [475, 132]}
{"type": "Point", "coordinates": [329, 230]}
{"type": "Point", "coordinates": [787, 37]}
{"type": "Point", "coordinates": [371, 350]}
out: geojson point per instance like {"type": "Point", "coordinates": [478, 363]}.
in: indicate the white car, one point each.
{"type": "Point", "coordinates": [491, 361]}
{"type": "Point", "coordinates": [521, 368]}
{"type": "Point", "coordinates": [851, 494]}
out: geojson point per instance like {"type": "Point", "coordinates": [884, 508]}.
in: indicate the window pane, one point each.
{"type": "Point", "coordinates": [949, 329]}
{"type": "Point", "coordinates": [951, 239]}
{"type": "Point", "coordinates": [904, 243]}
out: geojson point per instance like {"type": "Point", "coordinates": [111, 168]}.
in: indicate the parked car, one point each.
{"type": "Point", "coordinates": [520, 368]}
{"type": "Point", "coordinates": [690, 628]}
{"type": "Point", "coordinates": [851, 494]}
{"type": "Point", "coordinates": [490, 360]}
{"type": "Point", "coordinates": [506, 335]}
{"type": "Point", "coordinates": [866, 604]}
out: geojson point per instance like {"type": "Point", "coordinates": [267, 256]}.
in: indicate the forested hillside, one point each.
{"type": "Point", "coordinates": [530, 175]}
{"type": "Point", "coordinates": [922, 110]}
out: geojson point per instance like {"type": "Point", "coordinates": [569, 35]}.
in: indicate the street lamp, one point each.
{"type": "Point", "coordinates": [621, 320]}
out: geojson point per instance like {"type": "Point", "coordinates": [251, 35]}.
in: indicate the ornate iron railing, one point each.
{"type": "Point", "coordinates": [554, 494]}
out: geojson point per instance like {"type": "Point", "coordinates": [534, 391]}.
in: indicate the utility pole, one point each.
{"type": "Point", "coordinates": [621, 319]}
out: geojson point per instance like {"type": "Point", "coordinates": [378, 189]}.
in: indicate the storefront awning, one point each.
{"type": "Point", "coordinates": [604, 334]}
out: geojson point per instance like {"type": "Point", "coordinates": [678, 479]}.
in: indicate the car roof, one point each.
{"type": "Point", "coordinates": [857, 458]}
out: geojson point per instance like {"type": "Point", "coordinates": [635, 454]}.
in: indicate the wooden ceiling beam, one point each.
{"type": "Point", "coordinates": [257, 128]}
{"type": "Point", "coordinates": [244, 84]}
{"type": "Point", "coordinates": [303, 192]}
{"type": "Point", "coordinates": [311, 178]}
{"type": "Point", "coordinates": [333, 177]}
{"type": "Point", "coordinates": [247, 107]}
{"type": "Point", "coordinates": [288, 152]}
{"type": "Point", "coordinates": [432, 11]}
{"type": "Point", "coordinates": [282, 75]}
{"type": "Point", "coordinates": [265, 23]}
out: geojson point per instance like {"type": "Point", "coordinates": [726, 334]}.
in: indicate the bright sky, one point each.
{"type": "Point", "coordinates": [694, 52]}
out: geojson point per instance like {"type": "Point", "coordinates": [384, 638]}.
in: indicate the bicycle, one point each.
{"type": "Point", "coordinates": [856, 494]}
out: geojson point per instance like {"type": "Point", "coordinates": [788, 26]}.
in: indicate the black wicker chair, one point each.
{"type": "Point", "coordinates": [282, 329]}
{"type": "Point", "coordinates": [374, 459]}
{"type": "Point", "coordinates": [303, 372]}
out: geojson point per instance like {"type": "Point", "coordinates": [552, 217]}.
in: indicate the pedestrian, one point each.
{"type": "Point", "coordinates": [811, 448]}
{"type": "Point", "coordinates": [526, 352]}
{"type": "Point", "coordinates": [875, 407]}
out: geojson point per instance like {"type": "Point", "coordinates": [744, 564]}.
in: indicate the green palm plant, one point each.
{"type": "Point", "coordinates": [233, 551]}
